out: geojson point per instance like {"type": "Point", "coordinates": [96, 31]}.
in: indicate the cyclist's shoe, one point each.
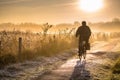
{"type": "Point", "coordinates": [79, 54]}
{"type": "Point", "coordinates": [78, 51]}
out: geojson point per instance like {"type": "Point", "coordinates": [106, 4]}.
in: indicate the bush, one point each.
{"type": "Point", "coordinates": [116, 68]}
{"type": "Point", "coordinates": [26, 55]}
{"type": "Point", "coordinates": [7, 59]}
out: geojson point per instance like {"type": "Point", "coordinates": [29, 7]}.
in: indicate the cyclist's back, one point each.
{"type": "Point", "coordinates": [84, 33]}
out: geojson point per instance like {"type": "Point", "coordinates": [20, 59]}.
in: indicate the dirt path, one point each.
{"type": "Point", "coordinates": [97, 66]}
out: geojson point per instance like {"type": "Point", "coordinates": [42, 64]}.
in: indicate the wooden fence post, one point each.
{"type": "Point", "coordinates": [20, 46]}
{"type": "Point", "coordinates": [0, 47]}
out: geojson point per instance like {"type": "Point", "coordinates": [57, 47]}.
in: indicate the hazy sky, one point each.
{"type": "Point", "coordinates": [54, 11]}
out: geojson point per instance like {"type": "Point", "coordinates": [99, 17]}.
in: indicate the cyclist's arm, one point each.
{"type": "Point", "coordinates": [89, 31]}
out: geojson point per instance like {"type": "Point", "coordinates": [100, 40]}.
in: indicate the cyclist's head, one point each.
{"type": "Point", "coordinates": [84, 23]}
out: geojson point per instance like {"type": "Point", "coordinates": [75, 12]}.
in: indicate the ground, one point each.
{"type": "Point", "coordinates": [97, 65]}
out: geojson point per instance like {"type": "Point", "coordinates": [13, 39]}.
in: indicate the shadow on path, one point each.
{"type": "Point", "coordinates": [80, 73]}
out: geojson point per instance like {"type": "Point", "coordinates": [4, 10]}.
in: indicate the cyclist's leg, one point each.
{"type": "Point", "coordinates": [80, 49]}
{"type": "Point", "coordinates": [85, 48]}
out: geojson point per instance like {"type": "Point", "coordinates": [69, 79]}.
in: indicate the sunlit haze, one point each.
{"type": "Point", "coordinates": [58, 11]}
{"type": "Point", "coordinates": [91, 5]}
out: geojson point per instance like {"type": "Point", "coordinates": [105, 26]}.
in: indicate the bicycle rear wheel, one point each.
{"type": "Point", "coordinates": [80, 56]}
{"type": "Point", "coordinates": [84, 55]}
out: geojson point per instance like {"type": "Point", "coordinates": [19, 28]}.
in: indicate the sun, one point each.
{"type": "Point", "coordinates": [91, 5]}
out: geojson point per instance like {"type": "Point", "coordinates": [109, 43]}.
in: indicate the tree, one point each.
{"type": "Point", "coordinates": [45, 28]}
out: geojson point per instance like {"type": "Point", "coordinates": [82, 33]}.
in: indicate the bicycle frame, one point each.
{"type": "Point", "coordinates": [82, 53]}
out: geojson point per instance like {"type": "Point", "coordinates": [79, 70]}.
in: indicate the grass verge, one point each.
{"type": "Point", "coordinates": [116, 70]}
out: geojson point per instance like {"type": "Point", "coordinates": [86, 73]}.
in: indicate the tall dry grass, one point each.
{"type": "Point", "coordinates": [33, 45]}
{"type": "Point", "coordinates": [40, 44]}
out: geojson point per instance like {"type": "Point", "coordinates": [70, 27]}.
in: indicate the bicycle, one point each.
{"type": "Point", "coordinates": [82, 52]}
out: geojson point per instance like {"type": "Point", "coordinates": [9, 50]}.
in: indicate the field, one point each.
{"type": "Point", "coordinates": [33, 45]}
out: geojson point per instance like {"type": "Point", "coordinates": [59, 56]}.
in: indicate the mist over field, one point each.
{"type": "Point", "coordinates": [110, 26]}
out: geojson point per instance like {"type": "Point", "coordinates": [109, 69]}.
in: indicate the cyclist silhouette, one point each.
{"type": "Point", "coordinates": [84, 33]}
